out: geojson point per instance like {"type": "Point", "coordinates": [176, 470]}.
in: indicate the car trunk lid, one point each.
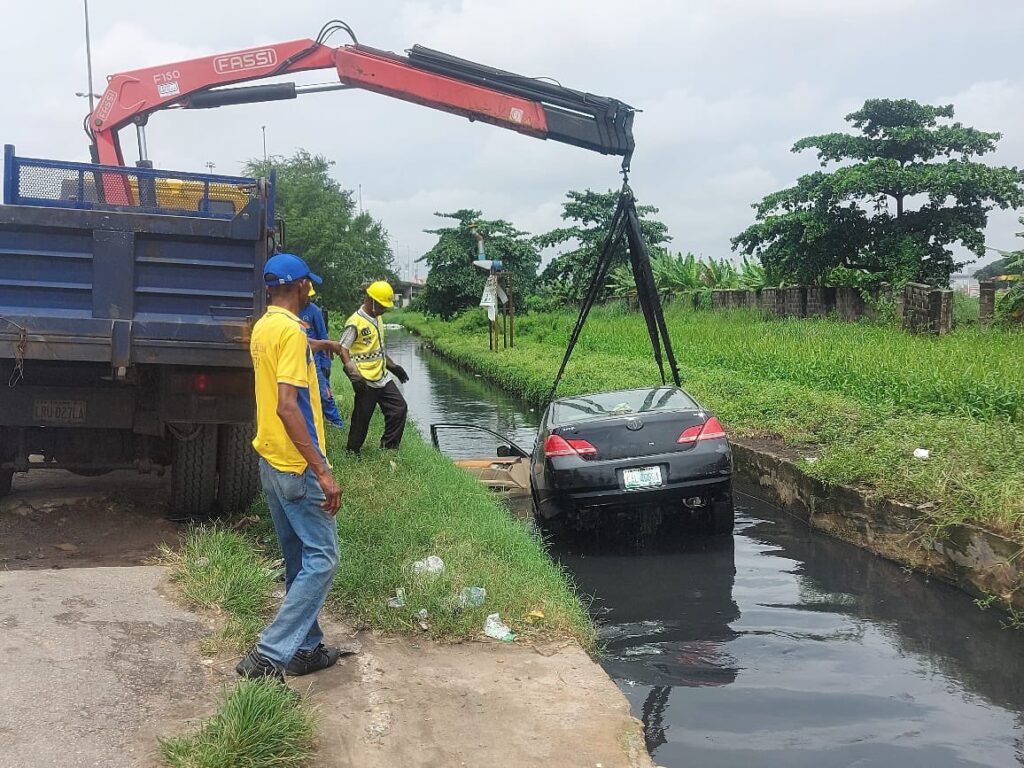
{"type": "Point", "coordinates": [634, 435]}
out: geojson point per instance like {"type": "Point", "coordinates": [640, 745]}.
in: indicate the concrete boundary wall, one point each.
{"type": "Point", "coordinates": [921, 308]}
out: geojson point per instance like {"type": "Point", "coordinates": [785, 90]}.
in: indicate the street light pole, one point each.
{"type": "Point", "coordinates": [264, 129]}
{"type": "Point", "coordinates": [88, 56]}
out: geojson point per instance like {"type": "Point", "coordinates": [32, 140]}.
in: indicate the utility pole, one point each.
{"type": "Point", "coordinates": [210, 165]}
{"type": "Point", "coordinates": [265, 168]}
{"type": "Point", "coordinates": [88, 55]}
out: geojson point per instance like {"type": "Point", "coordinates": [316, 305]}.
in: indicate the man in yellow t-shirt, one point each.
{"type": "Point", "coordinates": [301, 491]}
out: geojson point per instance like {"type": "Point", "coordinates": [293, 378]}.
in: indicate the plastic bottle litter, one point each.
{"type": "Point", "coordinates": [496, 628]}
{"type": "Point", "coordinates": [428, 566]}
{"type": "Point", "coordinates": [472, 597]}
{"type": "Point", "coordinates": [398, 601]}
{"type": "Point", "coordinates": [422, 614]}
{"type": "Point", "coordinates": [921, 453]}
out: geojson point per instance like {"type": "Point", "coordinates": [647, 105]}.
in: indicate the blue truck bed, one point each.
{"type": "Point", "coordinates": [124, 284]}
{"type": "Point", "coordinates": [127, 297]}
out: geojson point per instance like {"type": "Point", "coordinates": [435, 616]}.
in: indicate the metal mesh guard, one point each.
{"type": "Point", "coordinates": [83, 185]}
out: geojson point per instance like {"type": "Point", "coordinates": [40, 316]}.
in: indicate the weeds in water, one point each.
{"type": "Point", "coordinates": [260, 723]}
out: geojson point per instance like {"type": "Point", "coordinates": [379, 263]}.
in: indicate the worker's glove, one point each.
{"type": "Point", "coordinates": [399, 372]}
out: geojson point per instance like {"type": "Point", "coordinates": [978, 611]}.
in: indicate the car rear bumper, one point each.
{"type": "Point", "coordinates": [703, 472]}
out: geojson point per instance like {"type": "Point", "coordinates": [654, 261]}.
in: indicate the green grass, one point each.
{"type": "Point", "coordinates": [858, 397]}
{"type": "Point", "coordinates": [396, 508]}
{"type": "Point", "coordinates": [401, 509]}
{"type": "Point", "coordinates": [220, 570]}
{"type": "Point", "coordinates": [259, 724]}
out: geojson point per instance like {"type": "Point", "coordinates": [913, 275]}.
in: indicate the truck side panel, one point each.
{"type": "Point", "coordinates": [187, 288]}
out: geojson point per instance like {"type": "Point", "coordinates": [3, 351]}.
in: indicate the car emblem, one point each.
{"type": "Point", "coordinates": [634, 424]}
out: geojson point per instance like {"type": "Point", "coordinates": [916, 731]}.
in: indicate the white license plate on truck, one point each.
{"type": "Point", "coordinates": [641, 477]}
{"type": "Point", "coordinates": [59, 411]}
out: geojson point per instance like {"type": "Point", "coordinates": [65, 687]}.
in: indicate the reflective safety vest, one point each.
{"type": "Point", "coordinates": [367, 351]}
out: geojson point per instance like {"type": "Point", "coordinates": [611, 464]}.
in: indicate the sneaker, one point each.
{"type": "Point", "coordinates": [305, 662]}
{"type": "Point", "coordinates": [254, 665]}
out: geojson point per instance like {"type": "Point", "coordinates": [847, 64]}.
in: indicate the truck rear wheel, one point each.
{"type": "Point", "coordinates": [238, 472]}
{"type": "Point", "coordinates": [194, 471]}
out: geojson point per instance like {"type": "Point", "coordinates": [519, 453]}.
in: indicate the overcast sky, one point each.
{"type": "Point", "coordinates": [726, 87]}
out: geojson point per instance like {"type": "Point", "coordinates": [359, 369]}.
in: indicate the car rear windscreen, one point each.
{"type": "Point", "coordinates": [622, 403]}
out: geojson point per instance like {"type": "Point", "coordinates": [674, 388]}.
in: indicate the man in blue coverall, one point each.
{"type": "Point", "coordinates": [316, 329]}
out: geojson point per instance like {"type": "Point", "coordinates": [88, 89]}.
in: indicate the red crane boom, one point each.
{"type": "Point", "coordinates": [538, 108]}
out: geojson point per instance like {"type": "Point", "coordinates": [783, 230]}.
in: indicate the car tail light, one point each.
{"type": "Point", "coordinates": [556, 445]}
{"type": "Point", "coordinates": [709, 430]}
{"type": "Point", "coordinates": [583, 448]}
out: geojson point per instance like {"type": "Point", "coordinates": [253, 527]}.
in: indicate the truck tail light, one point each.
{"type": "Point", "coordinates": [236, 384]}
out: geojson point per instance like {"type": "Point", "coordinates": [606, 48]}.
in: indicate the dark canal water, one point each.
{"type": "Point", "coordinates": [780, 646]}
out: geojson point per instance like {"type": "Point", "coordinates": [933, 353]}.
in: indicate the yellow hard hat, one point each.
{"type": "Point", "coordinates": [382, 292]}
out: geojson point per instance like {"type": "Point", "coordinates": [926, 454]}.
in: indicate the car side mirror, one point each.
{"type": "Point", "coordinates": [505, 451]}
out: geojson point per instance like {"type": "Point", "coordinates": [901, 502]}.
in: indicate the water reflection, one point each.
{"type": "Point", "coordinates": [439, 392]}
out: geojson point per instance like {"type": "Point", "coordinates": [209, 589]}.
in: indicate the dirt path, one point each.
{"type": "Point", "coordinates": [57, 519]}
{"type": "Point", "coordinates": [406, 703]}
{"type": "Point", "coordinates": [97, 664]}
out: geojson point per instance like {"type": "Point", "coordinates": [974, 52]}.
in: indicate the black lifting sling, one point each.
{"type": "Point", "coordinates": [626, 223]}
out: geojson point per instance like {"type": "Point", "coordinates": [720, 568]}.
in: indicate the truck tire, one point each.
{"type": "Point", "coordinates": [194, 472]}
{"type": "Point", "coordinates": [238, 471]}
{"type": "Point", "coordinates": [6, 481]}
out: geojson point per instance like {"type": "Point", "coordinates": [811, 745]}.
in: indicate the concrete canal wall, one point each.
{"type": "Point", "coordinates": [978, 561]}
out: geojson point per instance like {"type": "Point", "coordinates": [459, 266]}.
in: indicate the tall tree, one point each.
{"type": "Point", "coordinates": [349, 249]}
{"type": "Point", "coordinates": [590, 214]}
{"type": "Point", "coordinates": [906, 191]}
{"type": "Point", "coordinates": [453, 283]}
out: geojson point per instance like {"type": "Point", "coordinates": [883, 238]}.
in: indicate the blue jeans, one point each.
{"type": "Point", "coordinates": [327, 401]}
{"type": "Point", "coordinates": [309, 545]}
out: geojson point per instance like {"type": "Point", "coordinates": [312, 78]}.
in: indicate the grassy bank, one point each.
{"type": "Point", "coordinates": [396, 509]}
{"type": "Point", "coordinates": [858, 399]}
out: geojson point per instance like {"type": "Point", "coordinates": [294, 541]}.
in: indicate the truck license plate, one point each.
{"type": "Point", "coordinates": [59, 411]}
{"type": "Point", "coordinates": [641, 477]}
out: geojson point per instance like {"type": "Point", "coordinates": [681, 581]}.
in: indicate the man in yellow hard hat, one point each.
{"type": "Point", "coordinates": [372, 372]}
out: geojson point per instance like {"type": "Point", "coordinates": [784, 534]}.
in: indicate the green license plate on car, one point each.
{"type": "Point", "coordinates": [641, 477]}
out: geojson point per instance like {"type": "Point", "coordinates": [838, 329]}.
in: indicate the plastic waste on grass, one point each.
{"type": "Point", "coordinates": [398, 601]}
{"type": "Point", "coordinates": [472, 597]}
{"type": "Point", "coordinates": [428, 566]}
{"type": "Point", "coordinates": [921, 453]}
{"type": "Point", "coordinates": [496, 628]}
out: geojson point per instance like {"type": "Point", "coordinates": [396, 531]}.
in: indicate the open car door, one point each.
{"type": "Point", "coordinates": [503, 467]}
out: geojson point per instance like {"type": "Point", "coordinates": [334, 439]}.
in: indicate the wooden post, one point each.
{"type": "Point", "coordinates": [511, 322]}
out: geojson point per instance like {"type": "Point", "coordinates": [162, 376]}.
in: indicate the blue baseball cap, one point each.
{"type": "Point", "coordinates": [287, 268]}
